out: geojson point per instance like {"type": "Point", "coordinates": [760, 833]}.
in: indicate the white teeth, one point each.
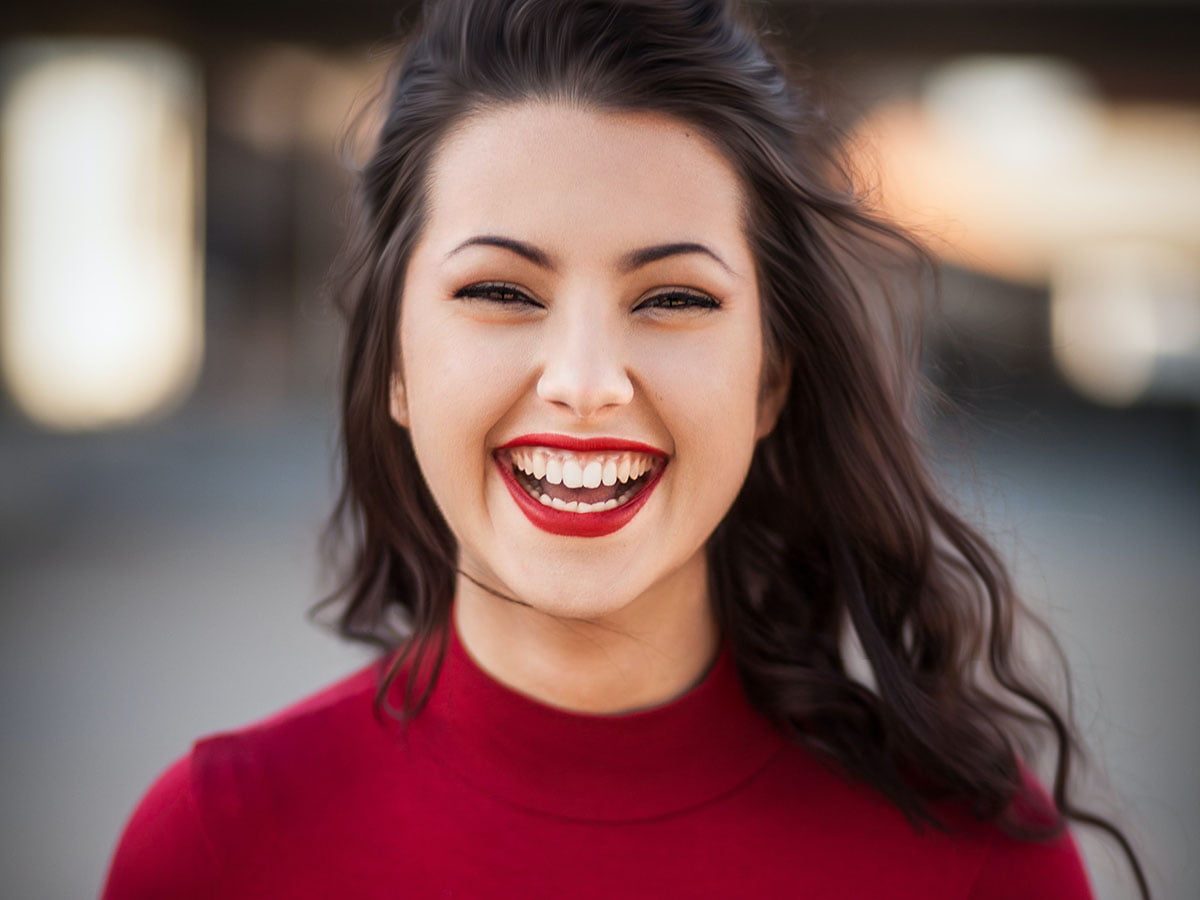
{"type": "Point", "coordinates": [610, 473]}
{"type": "Point", "coordinates": [573, 506]}
{"type": "Point", "coordinates": [572, 474]}
{"type": "Point", "coordinates": [592, 474]}
{"type": "Point", "coordinates": [577, 507]}
{"type": "Point", "coordinates": [575, 471]}
{"type": "Point", "coordinates": [623, 468]}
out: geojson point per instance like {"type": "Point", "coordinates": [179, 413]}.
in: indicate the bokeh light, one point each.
{"type": "Point", "coordinates": [102, 317]}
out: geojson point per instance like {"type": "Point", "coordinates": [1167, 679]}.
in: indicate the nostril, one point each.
{"type": "Point", "coordinates": [584, 369]}
{"type": "Point", "coordinates": [585, 395]}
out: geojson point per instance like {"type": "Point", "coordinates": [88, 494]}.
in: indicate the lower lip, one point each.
{"type": "Point", "coordinates": [558, 521]}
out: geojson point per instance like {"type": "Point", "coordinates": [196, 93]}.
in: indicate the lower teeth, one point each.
{"type": "Point", "coordinates": [576, 507]}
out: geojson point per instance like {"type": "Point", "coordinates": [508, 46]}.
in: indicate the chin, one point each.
{"type": "Point", "coordinates": [592, 602]}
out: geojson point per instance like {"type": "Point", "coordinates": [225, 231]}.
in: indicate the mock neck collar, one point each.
{"type": "Point", "coordinates": [636, 765]}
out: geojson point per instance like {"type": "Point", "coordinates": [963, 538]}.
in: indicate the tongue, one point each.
{"type": "Point", "coordinates": [583, 495]}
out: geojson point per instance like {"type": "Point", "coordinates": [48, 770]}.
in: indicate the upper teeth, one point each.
{"type": "Point", "coordinates": [576, 470]}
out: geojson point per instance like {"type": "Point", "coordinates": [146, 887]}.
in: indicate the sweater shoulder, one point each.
{"type": "Point", "coordinates": [164, 850]}
{"type": "Point", "coordinates": [869, 838]}
{"type": "Point", "coordinates": [354, 691]}
{"type": "Point", "coordinates": [352, 694]}
{"type": "Point", "coordinates": [1050, 868]}
{"type": "Point", "coordinates": [1015, 869]}
{"type": "Point", "coordinates": [177, 841]}
{"type": "Point", "coordinates": [240, 767]}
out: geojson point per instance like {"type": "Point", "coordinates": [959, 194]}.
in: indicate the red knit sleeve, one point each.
{"type": "Point", "coordinates": [1026, 870]}
{"type": "Point", "coordinates": [164, 851]}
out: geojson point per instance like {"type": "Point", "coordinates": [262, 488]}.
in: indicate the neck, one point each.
{"type": "Point", "coordinates": [645, 654]}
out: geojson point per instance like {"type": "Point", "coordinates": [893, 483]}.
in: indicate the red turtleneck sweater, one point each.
{"type": "Point", "coordinates": [491, 794]}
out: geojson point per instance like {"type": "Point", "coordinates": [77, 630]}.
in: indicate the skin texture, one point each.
{"type": "Point", "coordinates": [620, 622]}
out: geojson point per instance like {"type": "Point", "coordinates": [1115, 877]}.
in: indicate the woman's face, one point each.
{"type": "Point", "coordinates": [581, 308]}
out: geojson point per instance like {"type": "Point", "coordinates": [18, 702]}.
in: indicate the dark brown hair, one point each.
{"type": "Point", "coordinates": [839, 530]}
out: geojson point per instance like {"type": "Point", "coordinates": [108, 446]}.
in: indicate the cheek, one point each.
{"type": "Point", "coordinates": [707, 394]}
{"type": "Point", "coordinates": [459, 385]}
{"type": "Point", "coordinates": [457, 371]}
{"type": "Point", "coordinates": [709, 383]}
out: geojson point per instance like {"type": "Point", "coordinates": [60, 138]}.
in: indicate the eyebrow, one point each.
{"type": "Point", "coordinates": [635, 259]}
{"type": "Point", "coordinates": [528, 251]}
{"type": "Point", "coordinates": [646, 255]}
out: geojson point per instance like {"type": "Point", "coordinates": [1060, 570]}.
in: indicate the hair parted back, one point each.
{"type": "Point", "coordinates": [839, 529]}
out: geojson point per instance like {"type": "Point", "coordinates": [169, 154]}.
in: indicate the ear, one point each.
{"type": "Point", "coordinates": [398, 400]}
{"type": "Point", "coordinates": [772, 396]}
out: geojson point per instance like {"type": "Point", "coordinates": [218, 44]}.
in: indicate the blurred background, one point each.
{"type": "Point", "coordinates": [171, 196]}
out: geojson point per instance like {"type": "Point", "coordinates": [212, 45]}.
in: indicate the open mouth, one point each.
{"type": "Point", "coordinates": [581, 482]}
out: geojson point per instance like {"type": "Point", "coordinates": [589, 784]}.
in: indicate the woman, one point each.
{"type": "Point", "coordinates": [629, 465]}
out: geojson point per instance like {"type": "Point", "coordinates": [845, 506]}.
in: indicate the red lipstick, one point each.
{"type": "Point", "coordinates": [572, 524]}
{"type": "Point", "coordinates": [580, 445]}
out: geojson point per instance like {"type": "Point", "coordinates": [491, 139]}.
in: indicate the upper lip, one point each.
{"type": "Point", "coordinates": [581, 444]}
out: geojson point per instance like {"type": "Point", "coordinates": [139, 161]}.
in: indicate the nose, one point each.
{"type": "Point", "coordinates": [584, 367]}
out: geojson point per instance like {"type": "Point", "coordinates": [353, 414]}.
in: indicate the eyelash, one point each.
{"type": "Point", "coordinates": [514, 296]}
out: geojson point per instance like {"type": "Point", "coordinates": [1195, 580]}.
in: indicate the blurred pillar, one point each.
{"type": "Point", "coordinates": [101, 318]}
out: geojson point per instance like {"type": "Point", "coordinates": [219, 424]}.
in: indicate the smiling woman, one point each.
{"type": "Point", "coordinates": [608, 320]}
{"type": "Point", "coordinates": [629, 463]}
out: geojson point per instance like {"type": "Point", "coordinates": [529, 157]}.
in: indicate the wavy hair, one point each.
{"type": "Point", "coordinates": [839, 533]}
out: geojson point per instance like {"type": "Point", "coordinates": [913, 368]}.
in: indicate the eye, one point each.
{"type": "Point", "coordinates": [498, 292]}
{"type": "Point", "coordinates": [680, 299]}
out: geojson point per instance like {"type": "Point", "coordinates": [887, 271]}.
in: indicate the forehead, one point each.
{"type": "Point", "coordinates": [544, 169]}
